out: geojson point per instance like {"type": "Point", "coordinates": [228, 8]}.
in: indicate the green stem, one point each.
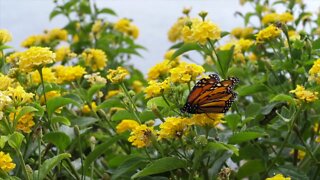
{"type": "Point", "coordinates": [44, 92]}
{"type": "Point", "coordinates": [24, 169]}
{"type": "Point", "coordinates": [218, 59]}
{"type": "Point", "coordinates": [133, 107]}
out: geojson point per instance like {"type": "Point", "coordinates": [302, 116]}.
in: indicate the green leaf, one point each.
{"type": "Point", "coordinates": [316, 44]}
{"type": "Point", "coordinates": [161, 165]}
{"type": "Point", "coordinates": [60, 119]}
{"type": "Point", "coordinates": [233, 120]}
{"type": "Point", "coordinates": [54, 13]}
{"type": "Point", "coordinates": [110, 103]}
{"type": "Point", "coordinates": [83, 121]}
{"type": "Point", "coordinates": [94, 89]}
{"type": "Point", "coordinates": [3, 140]}
{"type": "Point", "coordinates": [128, 167]}
{"type": "Point", "coordinates": [107, 11]}
{"type": "Point", "coordinates": [98, 151]}
{"type": "Point", "coordinates": [158, 101]}
{"type": "Point", "coordinates": [223, 146]}
{"type": "Point", "coordinates": [147, 115]}
{"type": "Point", "coordinates": [56, 102]}
{"type": "Point", "coordinates": [283, 98]}
{"type": "Point", "coordinates": [245, 136]}
{"type": "Point", "coordinates": [185, 48]}
{"type": "Point", "coordinates": [59, 139]}
{"type": "Point", "coordinates": [123, 114]}
{"type": "Point", "coordinates": [293, 172]}
{"type": "Point", "coordinates": [85, 7]}
{"type": "Point", "coordinates": [15, 140]}
{"type": "Point", "coordinates": [251, 89]}
{"type": "Point", "coordinates": [3, 47]}
{"type": "Point", "coordinates": [250, 168]}
{"type": "Point", "coordinates": [48, 165]}
{"type": "Point", "coordinates": [224, 58]}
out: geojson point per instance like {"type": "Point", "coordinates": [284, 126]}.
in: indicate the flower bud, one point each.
{"type": "Point", "coordinates": [201, 140]}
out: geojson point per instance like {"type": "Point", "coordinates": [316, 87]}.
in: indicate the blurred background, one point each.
{"type": "Point", "coordinates": [153, 17]}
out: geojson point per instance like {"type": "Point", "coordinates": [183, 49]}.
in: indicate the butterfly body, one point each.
{"type": "Point", "coordinates": [210, 95]}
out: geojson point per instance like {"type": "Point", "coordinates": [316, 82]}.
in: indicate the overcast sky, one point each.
{"type": "Point", "coordinates": [153, 17]}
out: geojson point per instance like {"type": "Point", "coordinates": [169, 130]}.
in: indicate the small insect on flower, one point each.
{"type": "Point", "coordinates": [210, 95]}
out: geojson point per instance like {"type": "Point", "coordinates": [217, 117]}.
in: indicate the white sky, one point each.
{"type": "Point", "coordinates": [153, 17]}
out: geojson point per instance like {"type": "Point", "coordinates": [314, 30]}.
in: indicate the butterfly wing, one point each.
{"type": "Point", "coordinates": [211, 96]}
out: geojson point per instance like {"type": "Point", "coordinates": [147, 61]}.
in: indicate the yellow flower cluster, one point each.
{"type": "Point", "coordinates": [19, 95]}
{"type": "Point", "coordinates": [305, 95]}
{"type": "Point", "coordinates": [68, 73]}
{"type": "Point", "coordinates": [96, 59]}
{"type": "Point", "coordinates": [34, 58]}
{"type": "Point", "coordinates": [13, 58]}
{"type": "Point", "coordinates": [64, 53]}
{"type": "Point", "coordinates": [141, 136]}
{"type": "Point", "coordinates": [275, 17]}
{"type": "Point", "coordinates": [97, 26]}
{"type": "Point", "coordinates": [117, 75]}
{"type": "Point", "coordinates": [185, 72]}
{"type": "Point", "coordinates": [200, 31]}
{"type": "Point", "coordinates": [125, 26]}
{"type": "Point", "coordinates": [49, 95]}
{"type": "Point", "coordinates": [239, 47]}
{"type": "Point", "coordinates": [6, 162]}
{"type": "Point", "coordinates": [25, 123]}
{"type": "Point", "coordinates": [95, 78]}
{"type": "Point", "coordinates": [5, 36]}
{"type": "Point", "coordinates": [174, 127]}
{"type": "Point", "coordinates": [86, 109]}
{"type": "Point", "coordinates": [240, 32]}
{"type": "Point", "coordinates": [207, 120]}
{"type": "Point", "coordinates": [161, 69]}
{"type": "Point", "coordinates": [5, 100]}
{"type": "Point", "coordinates": [279, 177]}
{"type": "Point", "coordinates": [137, 86]}
{"type": "Point", "coordinates": [156, 88]}
{"type": "Point", "coordinates": [174, 33]}
{"type": "Point", "coordinates": [268, 33]}
{"type": "Point", "coordinates": [6, 82]}
{"type": "Point", "coordinates": [47, 74]}
{"type": "Point", "coordinates": [51, 35]}
{"type": "Point", "coordinates": [126, 124]}
{"type": "Point", "coordinates": [315, 71]}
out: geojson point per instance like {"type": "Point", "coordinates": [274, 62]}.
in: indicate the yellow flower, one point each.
{"type": "Point", "coordinates": [48, 76]}
{"type": "Point", "coordinates": [315, 71]}
{"type": "Point", "coordinates": [293, 35]}
{"type": "Point", "coordinates": [86, 109]}
{"type": "Point", "coordinates": [25, 122]}
{"type": "Point", "coordinates": [239, 47]}
{"type": "Point", "coordinates": [207, 120]}
{"type": "Point", "coordinates": [240, 32]}
{"type": "Point", "coordinates": [268, 33]}
{"type": "Point", "coordinates": [6, 162]}
{"type": "Point", "coordinates": [68, 73]}
{"type": "Point", "coordinates": [160, 69]}
{"type": "Point", "coordinates": [156, 88]}
{"type": "Point", "coordinates": [126, 124]}
{"type": "Point", "coordinates": [275, 17]}
{"type": "Point", "coordinates": [125, 26]}
{"type": "Point", "coordinates": [5, 82]}
{"type": "Point", "coordinates": [95, 78]}
{"type": "Point", "coordinates": [252, 57]}
{"type": "Point", "coordinates": [301, 154]}
{"type": "Point", "coordinates": [97, 26]}
{"type": "Point", "coordinates": [64, 53]}
{"type": "Point", "coordinates": [19, 95]}
{"type": "Point", "coordinates": [35, 57]}
{"type": "Point", "coordinates": [5, 100]}
{"type": "Point", "coordinates": [56, 34]}
{"type": "Point", "coordinates": [5, 36]}
{"type": "Point", "coordinates": [305, 95]}
{"type": "Point", "coordinates": [316, 128]}
{"type": "Point", "coordinates": [200, 31]}
{"type": "Point", "coordinates": [13, 58]}
{"type": "Point", "coordinates": [174, 127]}
{"type": "Point", "coordinates": [185, 72]}
{"type": "Point", "coordinates": [112, 93]}
{"type": "Point", "coordinates": [117, 75]}
{"type": "Point", "coordinates": [137, 86]}
{"type": "Point", "coordinates": [96, 59]}
{"type": "Point", "coordinates": [279, 177]}
{"type": "Point", "coordinates": [49, 95]}
{"type": "Point", "coordinates": [175, 32]}
{"type": "Point", "coordinates": [34, 40]}
{"type": "Point", "coordinates": [141, 136]}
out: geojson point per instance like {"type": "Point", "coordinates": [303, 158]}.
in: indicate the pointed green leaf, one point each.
{"type": "Point", "coordinates": [185, 48]}
{"type": "Point", "coordinates": [158, 101]}
{"type": "Point", "coordinates": [245, 136]}
{"type": "Point", "coordinates": [122, 114]}
{"type": "Point", "coordinates": [56, 102]}
{"type": "Point", "coordinates": [251, 89]}
{"type": "Point", "coordinates": [225, 59]}
{"type": "Point", "coordinates": [161, 165]}
{"type": "Point", "coordinates": [59, 139]}
{"type": "Point", "coordinates": [283, 98]}
{"type": "Point", "coordinates": [48, 165]}
{"type": "Point", "coordinates": [94, 89]}
{"type": "Point", "coordinates": [110, 103]}
{"type": "Point", "coordinates": [15, 140]}
{"type": "Point", "coordinates": [223, 146]}
{"type": "Point", "coordinates": [250, 168]}
{"type": "Point", "coordinates": [62, 120]}
{"type": "Point", "coordinates": [107, 11]}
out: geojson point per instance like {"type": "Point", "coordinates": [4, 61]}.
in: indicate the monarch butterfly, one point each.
{"type": "Point", "coordinates": [210, 95]}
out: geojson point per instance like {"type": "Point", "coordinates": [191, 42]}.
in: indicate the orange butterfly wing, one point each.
{"type": "Point", "coordinates": [211, 96]}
